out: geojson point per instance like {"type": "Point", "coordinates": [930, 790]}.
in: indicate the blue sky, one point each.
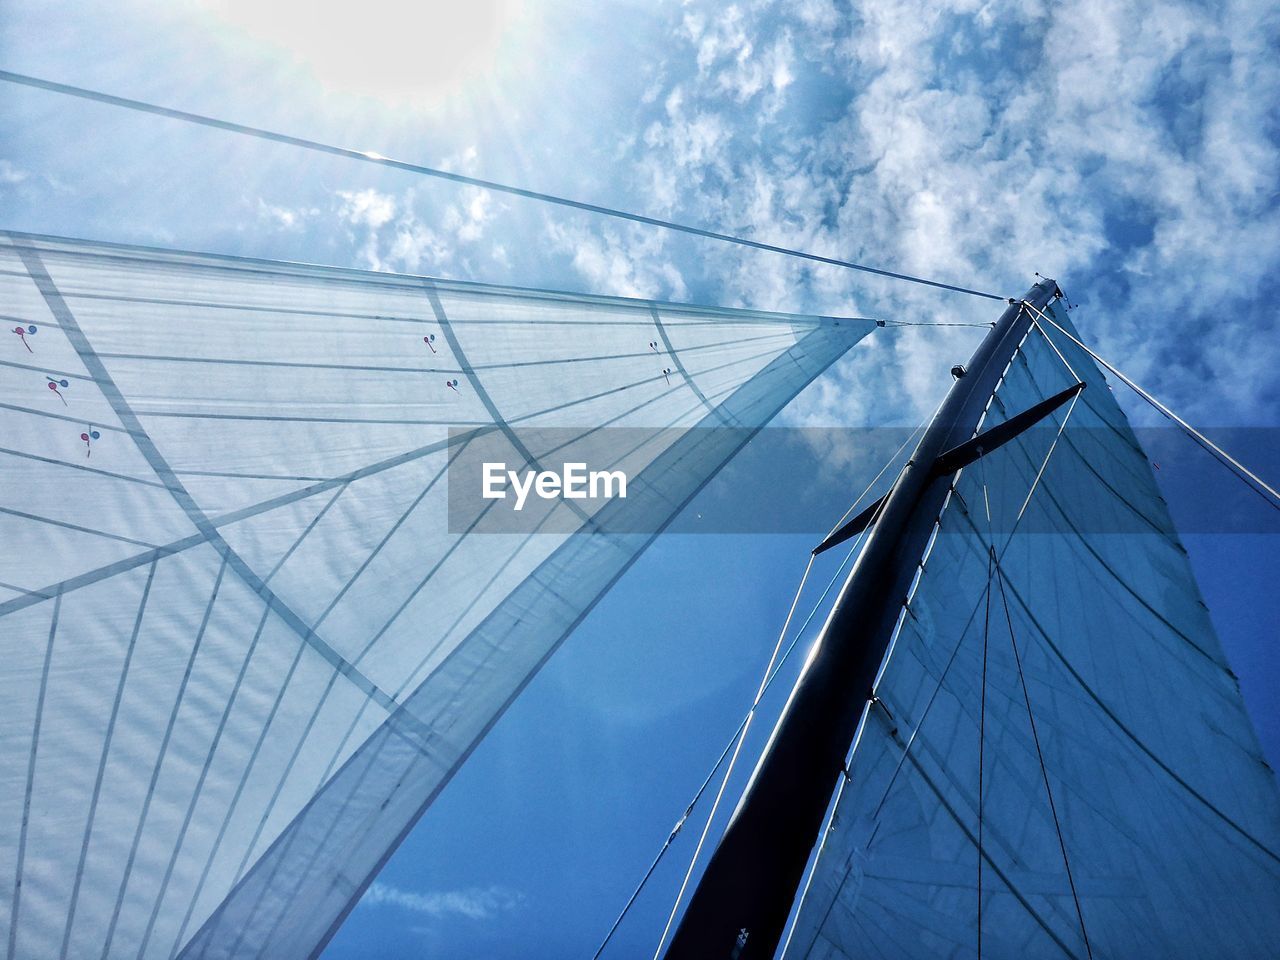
{"type": "Point", "coordinates": [1130, 150]}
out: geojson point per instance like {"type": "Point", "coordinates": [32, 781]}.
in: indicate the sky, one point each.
{"type": "Point", "coordinates": [1130, 150]}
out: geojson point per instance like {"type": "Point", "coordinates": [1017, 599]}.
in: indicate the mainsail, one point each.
{"type": "Point", "coordinates": [1137, 817]}
{"type": "Point", "coordinates": [245, 646]}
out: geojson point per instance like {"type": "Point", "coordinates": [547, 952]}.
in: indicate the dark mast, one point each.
{"type": "Point", "coordinates": [741, 905]}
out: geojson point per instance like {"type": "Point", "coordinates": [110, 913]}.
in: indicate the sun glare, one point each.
{"type": "Point", "coordinates": [395, 51]}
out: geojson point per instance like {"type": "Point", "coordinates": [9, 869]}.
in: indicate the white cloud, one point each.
{"type": "Point", "coordinates": [625, 261]}
{"type": "Point", "coordinates": [982, 142]}
{"type": "Point", "coordinates": [10, 174]}
{"type": "Point", "coordinates": [285, 218]}
{"type": "Point", "coordinates": [367, 208]}
{"type": "Point", "coordinates": [484, 903]}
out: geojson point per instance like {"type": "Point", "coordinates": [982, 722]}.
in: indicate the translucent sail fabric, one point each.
{"type": "Point", "coordinates": [1169, 816]}
{"type": "Point", "coordinates": [243, 646]}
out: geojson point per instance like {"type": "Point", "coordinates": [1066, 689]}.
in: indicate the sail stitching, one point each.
{"type": "Point", "coordinates": [1133, 737]}
{"type": "Point", "coordinates": [470, 373]}
{"type": "Point", "coordinates": [279, 785]}
{"type": "Point", "coordinates": [199, 785]}
{"type": "Point", "coordinates": [67, 525]}
{"type": "Point", "coordinates": [55, 462]}
{"type": "Point", "coordinates": [1009, 885]}
{"type": "Point", "coordinates": [385, 368]}
{"type": "Point", "coordinates": [274, 272]}
{"type": "Point", "coordinates": [986, 594]}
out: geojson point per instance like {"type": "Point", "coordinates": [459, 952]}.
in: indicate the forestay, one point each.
{"type": "Point", "coordinates": [1169, 815]}
{"type": "Point", "coordinates": [243, 646]}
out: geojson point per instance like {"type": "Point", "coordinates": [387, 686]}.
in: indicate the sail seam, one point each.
{"type": "Point", "coordinates": [1250, 479]}
{"type": "Point", "coordinates": [470, 373]}
{"type": "Point", "coordinates": [1133, 737]}
{"type": "Point", "coordinates": [66, 525]}
{"type": "Point", "coordinates": [177, 546]}
{"type": "Point", "coordinates": [80, 343]}
{"type": "Point", "coordinates": [1035, 736]}
{"type": "Point", "coordinates": [159, 763]}
{"type": "Point", "coordinates": [828, 356]}
{"type": "Point", "coordinates": [243, 513]}
{"type": "Point", "coordinates": [31, 775]}
{"type": "Point", "coordinates": [214, 922]}
{"type": "Point", "coordinates": [102, 759]}
{"type": "Point", "coordinates": [1005, 878]}
{"type": "Point", "coordinates": [675, 358]}
{"type": "Point", "coordinates": [375, 368]}
{"type": "Point", "coordinates": [144, 257]}
{"type": "Point", "coordinates": [53, 461]}
{"type": "Point", "coordinates": [262, 733]}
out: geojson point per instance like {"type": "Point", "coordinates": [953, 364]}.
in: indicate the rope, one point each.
{"type": "Point", "coordinates": [370, 156]}
{"type": "Point", "coordinates": [1248, 477]}
{"type": "Point", "coordinates": [1044, 773]}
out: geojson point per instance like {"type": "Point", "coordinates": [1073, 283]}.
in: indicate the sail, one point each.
{"type": "Point", "coordinates": [1162, 804]}
{"type": "Point", "coordinates": [248, 632]}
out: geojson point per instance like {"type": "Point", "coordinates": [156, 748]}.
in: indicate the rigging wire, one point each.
{"type": "Point", "coordinates": [1040, 473]}
{"type": "Point", "coordinates": [770, 676]}
{"type": "Point", "coordinates": [946, 670]}
{"type": "Point", "coordinates": [1035, 736]}
{"type": "Point", "coordinates": [370, 156]}
{"type": "Point", "coordinates": [982, 710]}
{"type": "Point", "coordinates": [1247, 476]}
{"type": "Point", "coordinates": [933, 323]}
{"type": "Point", "coordinates": [874, 480]}
{"type": "Point", "coordinates": [741, 737]}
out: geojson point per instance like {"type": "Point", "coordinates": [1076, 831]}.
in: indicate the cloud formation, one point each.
{"type": "Point", "coordinates": [1130, 152]}
{"type": "Point", "coordinates": [474, 904]}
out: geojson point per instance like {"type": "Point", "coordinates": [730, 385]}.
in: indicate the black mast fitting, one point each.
{"type": "Point", "coordinates": [961, 456]}
{"type": "Point", "coordinates": [741, 904]}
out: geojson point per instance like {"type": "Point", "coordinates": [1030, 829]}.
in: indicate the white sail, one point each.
{"type": "Point", "coordinates": [1168, 813]}
{"type": "Point", "coordinates": [245, 640]}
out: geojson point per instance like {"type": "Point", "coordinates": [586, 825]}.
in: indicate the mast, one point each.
{"type": "Point", "coordinates": [741, 904]}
